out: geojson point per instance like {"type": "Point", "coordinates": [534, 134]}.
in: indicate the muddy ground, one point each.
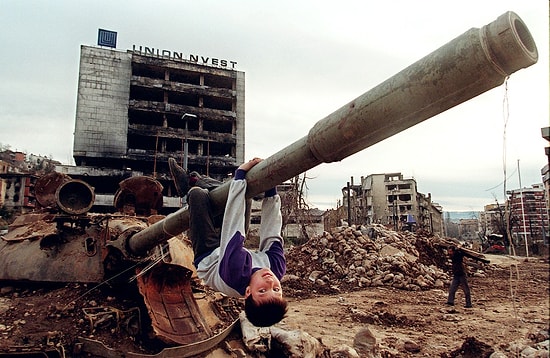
{"type": "Point", "coordinates": [510, 309]}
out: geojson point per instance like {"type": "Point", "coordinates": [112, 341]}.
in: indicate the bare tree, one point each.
{"type": "Point", "coordinates": [294, 206]}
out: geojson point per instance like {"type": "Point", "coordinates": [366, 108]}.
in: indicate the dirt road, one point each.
{"type": "Point", "coordinates": [510, 309]}
{"type": "Point", "coordinates": [510, 312]}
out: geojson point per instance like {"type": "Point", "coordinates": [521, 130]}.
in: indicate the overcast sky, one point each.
{"type": "Point", "coordinates": [302, 61]}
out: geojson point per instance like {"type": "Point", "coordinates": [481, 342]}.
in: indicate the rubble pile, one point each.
{"type": "Point", "coordinates": [354, 257]}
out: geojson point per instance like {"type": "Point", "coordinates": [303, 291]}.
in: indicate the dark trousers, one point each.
{"type": "Point", "coordinates": [204, 226]}
{"type": "Point", "coordinates": [461, 281]}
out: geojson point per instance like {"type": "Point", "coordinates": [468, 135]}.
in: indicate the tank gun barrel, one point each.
{"type": "Point", "coordinates": [476, 61]}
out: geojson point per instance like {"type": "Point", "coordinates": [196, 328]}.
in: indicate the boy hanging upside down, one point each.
{"type": "Point", "coordinates": [221, 259]}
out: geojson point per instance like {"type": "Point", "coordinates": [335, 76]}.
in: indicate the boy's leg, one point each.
{"type": "Point", "coordinates": [203, 231]}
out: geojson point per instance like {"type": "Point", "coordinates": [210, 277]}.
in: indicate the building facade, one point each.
{"type": "Point", "coordinates": [137, 108]}
{"type": "Point", "coordinates": [392, 200]}
{"type": "Point", "coordinates": [468, 230]}
{"type": "Point", "coordinates": [17, 190]}
{"type": "Point", "coordinates": [18, 174]}
{"type": "Point", "coordinates": [545, 172]}
{"type": "Point", "coordinates": [528, 215]}
{"type": "Point", "coordinates": [492, 220]}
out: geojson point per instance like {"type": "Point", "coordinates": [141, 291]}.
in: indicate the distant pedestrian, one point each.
{"type": "Point", "coordinates": [459, 276]}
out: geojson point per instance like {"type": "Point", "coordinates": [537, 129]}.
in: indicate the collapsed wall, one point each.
{"type": "Point", "coordinates": [355, 257]}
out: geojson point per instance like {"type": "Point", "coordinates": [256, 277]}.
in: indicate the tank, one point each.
{"type": "Point", "coordinates": [62, 242]}
{"type": "Point", "coordinates": [136, 250]}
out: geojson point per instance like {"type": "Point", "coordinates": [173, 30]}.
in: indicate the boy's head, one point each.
{"type": "Point", "coordinates": [264, 303]}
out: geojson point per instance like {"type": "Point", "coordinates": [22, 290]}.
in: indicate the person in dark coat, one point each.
{"type": "Point", "coordinates": [459, 277]}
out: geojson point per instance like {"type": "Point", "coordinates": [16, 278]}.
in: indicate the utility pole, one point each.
{"type": "Point", "coordinates": [523, 214]}
{"type": "Point", "coordinates": [349, 204]}
{"type": "Point", "coordinates": [395, 208]}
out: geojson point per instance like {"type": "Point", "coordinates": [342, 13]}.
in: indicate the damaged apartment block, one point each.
{"type": "Point", "coordinates": [134, 111]}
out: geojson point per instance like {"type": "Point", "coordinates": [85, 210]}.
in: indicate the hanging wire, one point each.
{"type": "Point", "coordinates": [504, 181]}
{"type": "Point", "coordinates": [163, 254]}
{"type": "Point", "coordinates": [506, 117]}
{"type": "Point", "coordinates": [514, 278]}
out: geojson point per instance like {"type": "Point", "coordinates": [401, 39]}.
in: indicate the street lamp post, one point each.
{"type": "Point", "coordinates": [185, 144]}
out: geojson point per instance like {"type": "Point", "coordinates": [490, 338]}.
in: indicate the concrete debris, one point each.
{"type": "Point", "coordinates": [472, 347]}
{"type": "Point", "coordinates": [352, 258]}
{"type": "Point", "coordinates": [412, 347]}
{"type": "Point", "coordinates": [293, 344]}
{"type": "Point", "coordinates": [297, 343]}
{"type": "Point", "coordinates": [344, 351]}
{"type": "Point", "coordinates": [365, 343]}
{"type": "Point", "coordinates": [539, 349]}
{"type": "Point", "coordinates": [256, 339]}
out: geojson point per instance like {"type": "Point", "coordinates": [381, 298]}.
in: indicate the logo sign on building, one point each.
{"type": "Point", "coordinates": [106, 38]}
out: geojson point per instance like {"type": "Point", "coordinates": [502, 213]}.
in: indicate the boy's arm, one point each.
{"type": "Point", "coordinates": [271, 241]}
{"type": "Point", "coordinates": [233, 217]}
{"type": "Point", "coordinates": [271, 221]}
{"type": "Point", "coordinates": [234, 214]}
{"type": "Point", "coordinates": [235, 262]}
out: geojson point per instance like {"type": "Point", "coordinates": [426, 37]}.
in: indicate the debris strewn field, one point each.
{"type": "Point", "coordinates": [395, 285]}
{"type": "Point", "coordinates": [369, 291]}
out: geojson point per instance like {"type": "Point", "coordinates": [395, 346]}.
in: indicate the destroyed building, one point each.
{"type": "Point", "coordinates": [392, 200]}
{"type": "Point", "coordinates": [18, 174]}
{"type": "Point", "coordinates": [529, 215]}
{"type": "Point", "coordinates": [137, 108]}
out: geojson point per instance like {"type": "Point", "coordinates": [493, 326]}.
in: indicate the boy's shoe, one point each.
{"type": "Point", "coordinates": [450, 304]}
{"type": "Point", "coordinates": [179, 176]}
{"type": "Point", "coordinates": [184, 181]}
{"type": "Point", "coordinates": [468, 306]}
